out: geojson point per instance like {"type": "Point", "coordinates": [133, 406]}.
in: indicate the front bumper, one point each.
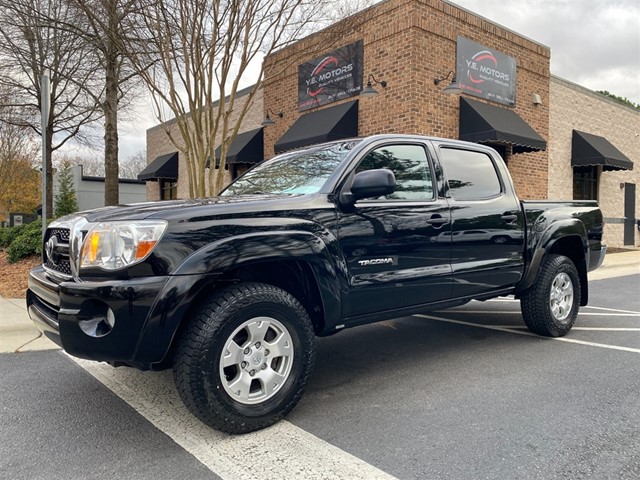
{"type": "Point", "coordinates": [78, 316]}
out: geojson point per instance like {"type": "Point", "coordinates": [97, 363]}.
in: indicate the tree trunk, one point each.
{"type": "Point", "coordinates": [111, 186]}
{"type": "Point", "coordinates": [49, 170]}
{"type": "Point", "coordinates": [112, 67]}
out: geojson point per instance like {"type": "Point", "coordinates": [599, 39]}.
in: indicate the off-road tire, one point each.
{"type": "Point", "coordinates": [197, 368]}
{"type": "Point", "coordinates": [537, 301]}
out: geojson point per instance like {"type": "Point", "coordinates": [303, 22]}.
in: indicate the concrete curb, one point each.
{"type": "Point", "coordinates": [18, 334]}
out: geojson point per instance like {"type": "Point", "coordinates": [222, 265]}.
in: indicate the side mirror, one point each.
{"type": "Point", "coordinates": [373, 183]}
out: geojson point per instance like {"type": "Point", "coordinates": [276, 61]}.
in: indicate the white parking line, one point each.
{"type": "Point", "coordinates": [583, 329]}
{"type": "Point", "coordinates": [612, 309]}
{"type": "Point", "coordinates": [505, 312]}
{"type": "Point", "coordinates": [529, 334]}
{"type": "Point", "coordinates": [283, 451]}
{"type": "Point", "coordinates": [511, 299]}
{"type": "Point", "coordinates": [610, 314]}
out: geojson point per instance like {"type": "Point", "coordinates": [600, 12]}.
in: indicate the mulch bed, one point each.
{"type": "Point", "coordinates": [13, 276]}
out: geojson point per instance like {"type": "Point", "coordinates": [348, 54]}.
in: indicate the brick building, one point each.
{"type": "Point", "coordinates": [408, 44]}
{"type": "Point", "coordinates": [412, 52]}
{"type": "Point", "coordinates": [579, 116]}
{"type": "Point", "coordinates": [166, 175]}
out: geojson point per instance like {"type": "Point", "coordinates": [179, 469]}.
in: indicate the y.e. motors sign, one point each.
{"type": "Point", "coordinates": [331, 77]}
{"type": "Point", "coordinates": [486, 73]}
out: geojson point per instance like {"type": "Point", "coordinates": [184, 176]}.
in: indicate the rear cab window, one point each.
{"type": "Point", "coordinates": [471, 175]}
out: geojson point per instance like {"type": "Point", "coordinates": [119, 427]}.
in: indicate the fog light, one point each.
{"type": "Point", "coordinates": [111, 318]}
{"type": "Point", "coordinates": [98, 325]}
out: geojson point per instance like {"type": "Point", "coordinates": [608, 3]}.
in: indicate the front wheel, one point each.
{"type": "Point", "coordinates": [550, 307]}
{"type": "Point", "coordinates": [243, 362]}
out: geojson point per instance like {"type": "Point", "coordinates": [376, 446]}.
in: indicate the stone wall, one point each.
{"type": "Point", "coordinates": [576, 108]}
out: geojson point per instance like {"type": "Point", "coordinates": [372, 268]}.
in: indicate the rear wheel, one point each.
{"type": "Point", "coordinates": [244, 361]}
{"type": "Point", "coordinates": [550, 307]}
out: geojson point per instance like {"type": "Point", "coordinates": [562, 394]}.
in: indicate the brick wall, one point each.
{"type": "Point", "coordinates": [159, 143]}
{"type": "Point", "coordinates": [408, 43]}
{"type": "Point", "coordinates": [576, 108]}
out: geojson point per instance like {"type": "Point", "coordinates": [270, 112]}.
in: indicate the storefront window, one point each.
{"type": "Point", "coordinates": [585, 183]}
{"type": "Point", "coordinates": [168, 190]}
{"type": "Point", "coordinates": [502, 151]}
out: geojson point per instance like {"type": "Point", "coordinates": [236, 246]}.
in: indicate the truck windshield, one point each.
{"type": "Point", "coordinates": [301, 172]}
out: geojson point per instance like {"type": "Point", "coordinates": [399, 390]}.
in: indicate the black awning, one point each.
{"type": "Point", "coordinates": [592, 150]}
{"type": "Point", "coordinates": [324, 125]}
{"type": "Point", "coordinates": [164, 166]}
{"type": "Point", "coordinates": [484, 123]}
{"type": "Point", "coordinates": [248, 147]}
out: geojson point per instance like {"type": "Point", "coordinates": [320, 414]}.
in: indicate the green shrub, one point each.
{"type": "Point", "coordinates": [28, 242]}
{"type": "Point", "coordinates": [5, 234]}
{"type": "Point", "coordinates": [9, 234]}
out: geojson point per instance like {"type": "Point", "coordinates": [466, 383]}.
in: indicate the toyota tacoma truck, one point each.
{"type": "Point", "coordinates": [232, 291]}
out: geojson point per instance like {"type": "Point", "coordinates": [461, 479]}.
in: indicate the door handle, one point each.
{"type": "Point", "coordinates": [437, 220]}
{"type": "Point", "coordinates": [509, 217]}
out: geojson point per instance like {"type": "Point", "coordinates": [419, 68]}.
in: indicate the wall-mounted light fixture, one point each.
{"type": "Point", "coordinates": [453, 87]}
{"type": "Point", "coordinates": [368, 90]}
{"type": "Point", "coordinates": [267, 122]}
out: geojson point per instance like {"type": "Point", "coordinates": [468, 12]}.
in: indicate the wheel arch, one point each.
{"type": "Point", "coordinates": [565, 237]}
{"type": "Point", "coordinates": [302, 266]}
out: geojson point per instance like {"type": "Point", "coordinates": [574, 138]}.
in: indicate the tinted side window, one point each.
{"type": "Point", "coordinates": [471, 175]}
{"type": "Point", "coordinates": [410, 166]}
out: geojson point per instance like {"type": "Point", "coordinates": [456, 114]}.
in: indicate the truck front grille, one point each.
{"type": "Point", "coordinates": [56, 251]}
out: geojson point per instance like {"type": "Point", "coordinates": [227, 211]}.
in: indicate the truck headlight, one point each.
{"type": "Point", "coordinates": [116, 245]}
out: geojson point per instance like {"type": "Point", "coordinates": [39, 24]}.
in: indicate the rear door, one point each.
{"type": "Point", "coordinates": [487, 227]}
{"type": "Point", "coordinates": [392, 245]}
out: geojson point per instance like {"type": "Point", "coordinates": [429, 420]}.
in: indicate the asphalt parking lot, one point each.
{"type": "Point", "coordinates": [465, 393]}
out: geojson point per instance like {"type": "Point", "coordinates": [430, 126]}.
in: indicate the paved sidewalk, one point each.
{"type": "Point", "coordinates": [618, 265]}
{"type": "Point", "coordinates": [18, 334]}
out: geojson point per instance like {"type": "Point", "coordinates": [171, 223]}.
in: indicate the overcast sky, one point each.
{"type": "Point", "coordinates": [595, 44]}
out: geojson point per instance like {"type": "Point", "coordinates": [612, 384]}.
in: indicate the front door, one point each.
{"type": "Point", "coordinates": [392, 245]}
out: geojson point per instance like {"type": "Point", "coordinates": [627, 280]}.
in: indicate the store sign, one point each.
{"type": "Point", "coordinates": [331, 77]}
{"type": "Point", "coordinates": [486, 73]}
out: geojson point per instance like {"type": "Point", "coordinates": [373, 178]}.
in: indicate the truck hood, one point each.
{"type": "Point", "coordinates": [176, 209]}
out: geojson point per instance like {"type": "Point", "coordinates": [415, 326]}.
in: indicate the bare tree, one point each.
{"type": "Point", "coordinates": [200, 51]}
{"type": "Point", "coordinates": [91, 165]}
{"type": "Point", "coordinates": [133, 165]}
{"type": "Point", "coordinates": [30, 45]}
{"type": "Point", "coordinates": [94, 166]}
{"type": "Point", "coordinates": [103, 24]}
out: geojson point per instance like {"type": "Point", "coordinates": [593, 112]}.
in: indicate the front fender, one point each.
{"type": "Point", "coordinates": [204, 266]}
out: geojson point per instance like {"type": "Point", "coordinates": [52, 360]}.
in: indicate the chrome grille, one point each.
{"type": "Point", "coordinates": [61, 233]}
{"type": "Point", "coordinates": [56, 251]}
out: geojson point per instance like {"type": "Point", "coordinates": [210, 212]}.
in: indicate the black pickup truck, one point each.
{"type": "Point", "coordinates": [231, 291]}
